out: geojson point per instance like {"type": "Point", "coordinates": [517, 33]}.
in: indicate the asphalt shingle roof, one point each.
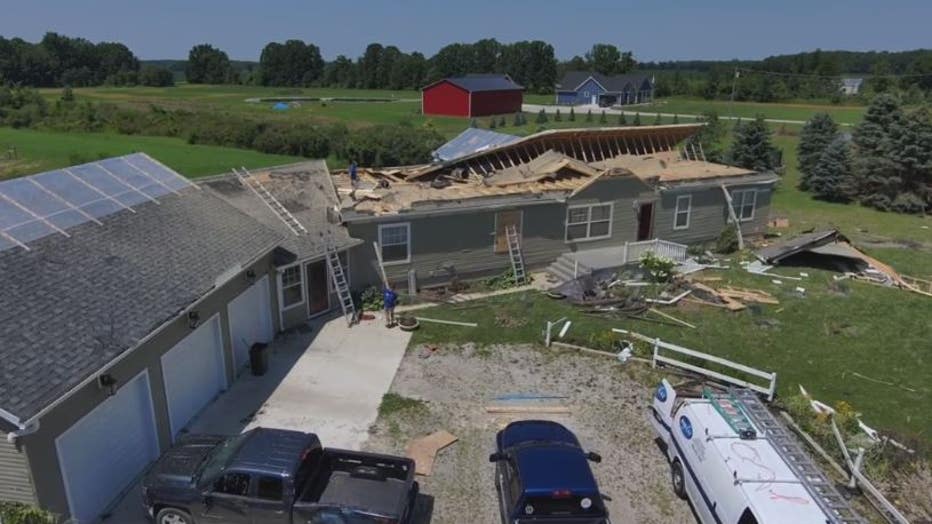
{"type": "Point", "coordinates": [613, 84]}
{"type": "Point", "coordinates": [475, 83]}
{"type": "Point", "coordinates": [69, 306]}
{"type": "Point", "coordinates": [306, 192]}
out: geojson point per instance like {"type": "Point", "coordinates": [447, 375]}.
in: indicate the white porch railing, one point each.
{"type": "Point", "coordinates": [633, 251]}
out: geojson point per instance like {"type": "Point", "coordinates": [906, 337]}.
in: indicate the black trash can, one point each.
{"type": "Point", "coordinates": [259, 358]}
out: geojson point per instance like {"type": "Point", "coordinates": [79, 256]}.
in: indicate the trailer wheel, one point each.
{"type": "Point", "coordinates": [679, 481]}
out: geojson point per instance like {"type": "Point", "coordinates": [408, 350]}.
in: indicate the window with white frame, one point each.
{"type": "Point", "coordinates": [292, 287]}
{"type": "Point", "coordinates": [395, 243]}
{"type": "Point", "coordinates": [684, 204]}
{"type": "Point", "coordinates": [588, 222]}
{"type": "Point", "coordinates": [744, 202]}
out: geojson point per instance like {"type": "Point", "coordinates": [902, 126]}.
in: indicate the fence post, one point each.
{"type": "Point", "coordinates": [547, 336]}
{"type": "Point", "coordinates": [625, 254]}
{"type": "Point", "coordinates": [653, 361]}
{"type": "Point", "coordinates": [575, 268]}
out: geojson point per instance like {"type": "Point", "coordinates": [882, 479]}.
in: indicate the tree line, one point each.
{"type": "Point", "coordinates": [59, 60]}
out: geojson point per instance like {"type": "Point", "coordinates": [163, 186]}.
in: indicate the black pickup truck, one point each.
{"type": "Point", "coordinates": [272, 476]}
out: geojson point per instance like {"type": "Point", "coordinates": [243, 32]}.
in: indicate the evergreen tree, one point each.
{"type": "Point", "coordinates": [589, 116]}
{"type": "Point", "coordinates": [603, 119]}
{"type": "Point", "coordinates": [492, 123]}
{"type": "Point", "coordinates": [709, 139]}
{"type": "Point", "coordinates": [676, 118]}
{"type": "Point", "coordinates": [637, 119]}
{"type": "Point", "coordinates": [909, 148]}
{"type": "Point", "coordinates": [752, 148]}
{"type": "Point", "coordinates": [473, 124]}
{"type": "Point", "coordinates": [542, 117]}
{"type": "Point", "coordinates": [501, 121]}
{"type": "Point", "coordinates": [517, 121]}
{"type": "Point", "coordinates": [557, 117]}
{"type": "Point", "coordinates": [658, 120]}
{"type": "Point", "coordinates": [67, 95]}
{"type": "Point", "coordinates": [831, 177]}
{"type": "Point", "coordinates": [621, 119]}
{"type": "Point", "coordinates": [877, 181]}
{"type": "Point", "coordinates": [572, 115]}
{"type": "Point", "coordinates": [816, 135]}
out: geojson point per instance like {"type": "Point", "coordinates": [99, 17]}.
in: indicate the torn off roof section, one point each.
{"type": "Point", "coordinates": [471, 141]}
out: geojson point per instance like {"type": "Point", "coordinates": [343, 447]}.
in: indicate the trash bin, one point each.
{"type": "Point", "coordinates": [259, 358]}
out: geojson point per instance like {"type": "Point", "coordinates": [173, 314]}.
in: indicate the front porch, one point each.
{"type": "Point", "coordinates": [574, 264]}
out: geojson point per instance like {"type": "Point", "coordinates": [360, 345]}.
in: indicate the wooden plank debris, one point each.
{"type": "Point", "coordinates": [671, 317]}
{"type": "Point", "coordinates": [423, 451]}
{"type": "Point", "coordinates": [449, 322]}
{"type": "Point", "coordinates": [504, 410]}
{"type": "Point", "coordinates": [748, 295]}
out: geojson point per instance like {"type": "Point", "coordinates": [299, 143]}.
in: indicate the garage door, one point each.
{"type": "Point", "coordinates": [250, 320]}
{"type": "Point", "coordinates": [102, 453]}
{"type": "Point", "coordinates": [194, 373]}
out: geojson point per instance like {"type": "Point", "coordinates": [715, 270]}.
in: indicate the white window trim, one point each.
{"type": "Point", "coordinates": [407, 259]}
{"type": "Point", "coordinates": [566, 222]}
{"type": "Point", "coordinates": [739, 207]}
{"type": "Point", "coordinates": [281, 288]}
{"type": "Point", "coordinates": [688, 211]}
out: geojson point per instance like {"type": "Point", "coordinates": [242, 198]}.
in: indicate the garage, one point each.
{"type": "Point", "coordinates": [194, 373]}
{"type": "Point", "coordinates": [250, 320]}
{"type": "Point", "coordinates": [101, 454]}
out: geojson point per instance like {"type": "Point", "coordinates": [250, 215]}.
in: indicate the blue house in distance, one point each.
{"type": "Point", "coordinates": [585, 88]}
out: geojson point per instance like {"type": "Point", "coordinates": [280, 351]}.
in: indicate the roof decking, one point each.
{"type": "Point", "coordinates": [69, 306]}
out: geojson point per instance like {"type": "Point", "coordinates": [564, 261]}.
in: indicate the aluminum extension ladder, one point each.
{"type": "Point", "coordinates": [819, 486]}
{"type": "Point", "coordinates": [247, 179]}
{"type": "Point", "coordinates": [340, 284]}
{"type": "Point", "coordinates": [514, 253]}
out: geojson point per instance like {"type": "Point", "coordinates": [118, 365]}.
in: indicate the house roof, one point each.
{"type": "Point", "coordinates": [470, 141]}
{"type": "Point", "coordinates": [70, 305]}
{"type": "Point", "coordinates": [477, 83]}
{"type": "Point", "coordinates": [306, 191]}
{"type": "Point", "coordinates": [612, 83]}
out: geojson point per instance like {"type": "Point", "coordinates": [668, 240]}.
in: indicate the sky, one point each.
{"type": "Point", "coordinates": [653, 30]}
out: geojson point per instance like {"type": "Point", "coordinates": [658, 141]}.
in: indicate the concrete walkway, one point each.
{"type": "Point", "coordinates": [327, 380]}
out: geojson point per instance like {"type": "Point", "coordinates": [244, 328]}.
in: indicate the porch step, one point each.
{"type": "Point", "coordinates": [565, 268]}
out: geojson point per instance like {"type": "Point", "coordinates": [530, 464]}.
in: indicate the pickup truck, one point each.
{"type": "Point", "coordinates": [542, 476]}
{"type": "Point", "coordinates": [273, 476]}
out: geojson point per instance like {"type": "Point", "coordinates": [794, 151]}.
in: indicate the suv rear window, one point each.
{"type": "Point", "coordinates": [562, 505]}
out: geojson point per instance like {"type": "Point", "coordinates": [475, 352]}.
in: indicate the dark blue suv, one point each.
{"type": "Point", "coordinates": [542, 476]}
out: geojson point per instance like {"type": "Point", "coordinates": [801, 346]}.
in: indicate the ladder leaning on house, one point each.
{"type": "Point", "coordinates": [340, 284]}
{"type": "Point", "coordinates": [819, 486]}
{"type": "Point", "coordinates": [514, 253]}
{"type": "Point", "coordinates": [247, 179]}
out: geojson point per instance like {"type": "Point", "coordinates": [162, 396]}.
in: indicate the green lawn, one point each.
{"type": "Point", "coordinates": [41, 151]}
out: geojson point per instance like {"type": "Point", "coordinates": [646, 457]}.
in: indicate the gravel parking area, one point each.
{"type": "Point", "coordinates": [450, 389]}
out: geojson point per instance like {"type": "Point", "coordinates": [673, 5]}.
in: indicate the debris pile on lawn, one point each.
{"type": "Point", "coordinates": [833, 251]}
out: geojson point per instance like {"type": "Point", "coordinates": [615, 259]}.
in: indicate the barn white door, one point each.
{"type": "Point", "coordinates": [250, 320]}
{"type": "Point", "coordinates": [194, 373]}
{"type": "Point", "coordinates": [102, 453]}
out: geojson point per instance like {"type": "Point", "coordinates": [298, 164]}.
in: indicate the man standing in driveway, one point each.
{"type": "Point", "coordinates": [390, 298]}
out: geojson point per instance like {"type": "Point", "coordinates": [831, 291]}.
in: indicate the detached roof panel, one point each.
{"type": "Point", "coordinates": [472, 141]}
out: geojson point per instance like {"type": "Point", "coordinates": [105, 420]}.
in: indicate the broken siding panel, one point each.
{"type": "Point", "coordinates": [708, 215]}
{"type": "Point", "coordinates": [15, 480]}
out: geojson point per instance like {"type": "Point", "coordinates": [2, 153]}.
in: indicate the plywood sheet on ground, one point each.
{"type": "Point", "coordinates": [424, 450]}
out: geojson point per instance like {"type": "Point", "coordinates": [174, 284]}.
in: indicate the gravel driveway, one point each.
{"type": "Point", "coordinates": [607, 414]}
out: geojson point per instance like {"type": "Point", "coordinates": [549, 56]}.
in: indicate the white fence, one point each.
{"type": "Point", "coordinates": [633, 251]}
{"type": "Point", "coordinates": [658, 358]}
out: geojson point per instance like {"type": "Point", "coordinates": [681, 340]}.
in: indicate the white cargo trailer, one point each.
{"type": "Point", "coordinates": [738, 464]}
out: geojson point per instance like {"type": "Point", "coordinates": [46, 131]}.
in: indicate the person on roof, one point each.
{"type": "Point", "coordinates": [389, 298]}
{"type": "Point", "coordinates": [353, 175]}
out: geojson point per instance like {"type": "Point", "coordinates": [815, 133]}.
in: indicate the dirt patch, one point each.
{"type": "Point", "coordinates": [607, 413]}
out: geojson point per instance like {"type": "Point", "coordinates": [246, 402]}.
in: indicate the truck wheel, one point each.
{"type": "Point", "coordinates": [173, 516]}
{"type": "Point", "coordinates": [676, 475]}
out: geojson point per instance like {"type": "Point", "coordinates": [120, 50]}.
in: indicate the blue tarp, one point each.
{"type": "Point", "coordinates": [471, 141]}
{"type": "Point", "coordinates": [281, 106]}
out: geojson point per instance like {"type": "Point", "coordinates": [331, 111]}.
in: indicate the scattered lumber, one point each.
{"type": "Point", "coordinates": [504, 410]}
{"type": "Point", "coordinates": [730, 303]}
{"type": "Point", "coordinates": [671, 317]}
{"type": "Point", "coordinates": [424, 450]}
{"type": "Point", "coordinates": [449, 322]}
{"type": "Point", "coordinates": [748, 295]}
{"type": "Point", "coordinates": [671, 301]}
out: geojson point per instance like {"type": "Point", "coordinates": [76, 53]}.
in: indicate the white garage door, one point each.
{"type": "Point", "coordinates": [102, 453]}
{"type": "Point", "coordinates": [193, 372]}
{"type": "Point", "coordinates": [250, 320]}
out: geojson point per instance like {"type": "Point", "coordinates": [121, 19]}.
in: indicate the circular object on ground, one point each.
{"type": "Point", "coordinates": [555, 295]}
{"type": "Point", "coordinates": [173, 516]}
{"type": "Point", "coordinates": [679, 481]}
{"type": "Point", "coordinates": [408, 323]}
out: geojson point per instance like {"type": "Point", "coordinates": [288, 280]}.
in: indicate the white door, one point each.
{"type": "Point", "coordinates": [595, 100]}
{"type": "Point", "coordinates": [250, 320]}
{"type": "Point", "coordinates": [101, 454]}
{"type": "Point", "coordinates": [194, 373]}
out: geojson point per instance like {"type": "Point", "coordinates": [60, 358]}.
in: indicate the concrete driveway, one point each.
{"type": "Point", "coordinates": [328, 380]}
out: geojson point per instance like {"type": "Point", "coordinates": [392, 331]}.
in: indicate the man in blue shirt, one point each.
{"type": "Point", "coordinates": [389, 298]}
{"type": "Point", "coordinates": [353, 175]}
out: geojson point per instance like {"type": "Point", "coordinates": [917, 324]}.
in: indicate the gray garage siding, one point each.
{"type": "Point", "coordinates": [40, 446]}
{"type": "Point", "coordinates": [709, 214]}
{"type": "Point", "coordinates": [15, 483]}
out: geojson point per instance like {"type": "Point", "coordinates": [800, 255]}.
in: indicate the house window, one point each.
{"type": "Point", "coordinates": [292, 287]}
{"type": "Point", "coordinates": [684, 204]}
{"type": "Point", "coordinates": [744, 202]}
{"type": "Point", "coordinates": [588, 222]}
{"type": "Point", "coordinates": [395, 243]}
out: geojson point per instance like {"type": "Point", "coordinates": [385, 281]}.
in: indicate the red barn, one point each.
{"type": "Point", "coordinates": [472, 95]}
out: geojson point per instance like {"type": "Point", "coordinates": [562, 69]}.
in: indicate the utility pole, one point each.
{"type": "Point", "coordinates": [734, 89]}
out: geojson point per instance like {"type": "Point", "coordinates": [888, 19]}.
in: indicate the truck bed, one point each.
{"type": "Point", "coordinates": [375, 483]}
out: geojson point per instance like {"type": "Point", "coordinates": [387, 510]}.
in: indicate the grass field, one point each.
{"type": "Point", "coordinates": [41, 151]}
